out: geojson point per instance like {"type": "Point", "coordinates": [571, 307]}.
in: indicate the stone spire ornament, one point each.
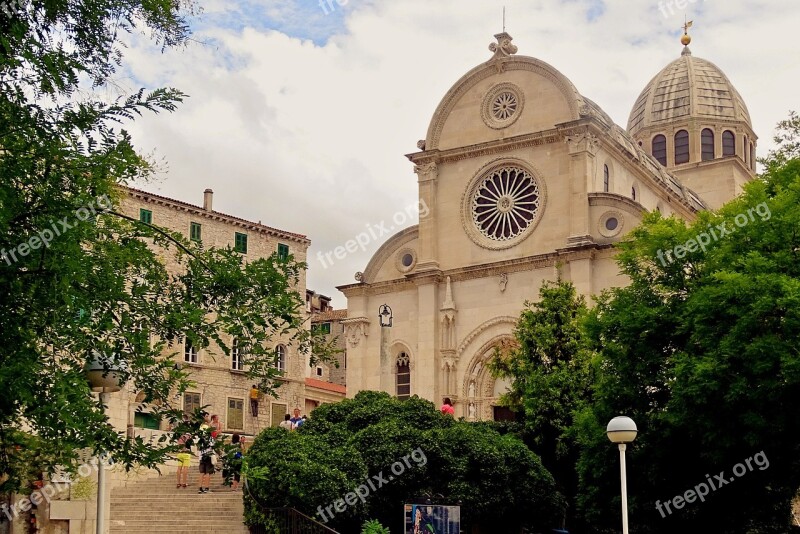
{"type": "Point", "coordinates": [503, 47]}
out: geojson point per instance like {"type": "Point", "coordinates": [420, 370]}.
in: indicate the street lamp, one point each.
{"type": "Point", "coordinates": [622, 430]}
{"type": "Point", "coordinates": [105, 375]}
{"type": "Point", "coordinates": [385, 315]}
{"type": "Point", "coordinates": [385, 319]}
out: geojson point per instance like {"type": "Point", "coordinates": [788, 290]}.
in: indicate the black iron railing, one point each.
{"type": "Point", "coordinates": [289, 521]}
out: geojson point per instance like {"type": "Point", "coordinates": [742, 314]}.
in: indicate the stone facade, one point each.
{"type": "Point", "coordinates": [526, 180]}
{"type": "Point", "coordinates": [220, 381]}
{"type": "Point", "coordinates": [220, 384]}
{"type": "Point", "coordinates": [330, 321]}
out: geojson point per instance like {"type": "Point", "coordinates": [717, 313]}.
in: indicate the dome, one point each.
{"type": "Point", "coordinates": [687, 88]}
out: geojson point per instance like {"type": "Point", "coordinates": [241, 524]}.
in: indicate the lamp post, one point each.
{"type": "Point", "coordinates": [105, 377]}
{"type": "Point", "coordinates": [385, 320]}
{"type": "Point", "coordinates": [622, 430]}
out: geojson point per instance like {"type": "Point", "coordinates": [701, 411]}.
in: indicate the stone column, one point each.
{"type": "Point", "coordinates": [582, 148]}
{"type": "Point", "coordinates": [428, 247]}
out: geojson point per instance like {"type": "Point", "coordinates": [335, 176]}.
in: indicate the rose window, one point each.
{"type": "Point", "coordinates": [504, 106]}
{"type": "Point", "coordinates": [505, 203]}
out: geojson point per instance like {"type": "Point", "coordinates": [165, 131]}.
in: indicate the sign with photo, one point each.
{"type": "Point", "coordinates": [432, 519]}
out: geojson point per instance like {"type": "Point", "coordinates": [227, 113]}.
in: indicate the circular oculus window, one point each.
{"type": "Point", "coordinates": [505, 203]}
{"type": "Point", "coordinates": [502, 105]}
{"type": "Point", "coordinates": [405, 260]}
{"type": "Point", "coordinates": [610, 224]}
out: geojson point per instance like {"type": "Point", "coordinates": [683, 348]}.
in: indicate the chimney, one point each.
{"type": "Point", "coordinates": [208, 196]}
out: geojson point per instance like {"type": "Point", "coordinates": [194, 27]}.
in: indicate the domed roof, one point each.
{"type": "Point", "coordinates": [689, 87]}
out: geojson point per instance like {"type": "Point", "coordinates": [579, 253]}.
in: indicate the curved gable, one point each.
{"type": "Point", "coordinates": [545, 98]}
{"type": "Point", "coordinates": [382, 263]}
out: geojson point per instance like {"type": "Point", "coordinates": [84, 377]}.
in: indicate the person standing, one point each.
{"type": "Point", "coordinates": [254, 395]}
{"type": "Point", "coordinates": [184, 460]}
{"type": "Point", "coordinates": [205, 446]}
{"type": "Point", "coordinates": [297, 421]}
{"type": "Point", "coordinates": [447, 407]}
{"type": "Point", "coordinates": [286, 424]}
{"type": "Point", "coordinates": [235, 461]}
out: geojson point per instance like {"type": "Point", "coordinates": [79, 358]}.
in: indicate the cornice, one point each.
{"type": "Point", "coordinates": [197, 211]}
{"type": "Point", "coordinates": [483, 270]}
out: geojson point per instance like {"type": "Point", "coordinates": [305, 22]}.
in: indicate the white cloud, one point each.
{"type": "Point", "coordinates": [310, 136]}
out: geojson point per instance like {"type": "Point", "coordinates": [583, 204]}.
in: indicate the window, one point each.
{"type": "Point", "coordinates": [728, 143]}
{"type": "Point", "coordinates": [236, 414]}
{"type": "Point", "coordinates": [707, 144]}
{"type": "Point", "coordinates": [240, 243]}
{"type": "Point", "coordinates": [195, 232]}
{"type": "Point", "coordinates": [681, 147]}
{"type": "Point", "coordinates": [146, 420]}
{"type": "Point", "coordinates": [633, 193]}
{"type": "Point", "coordinates": [278, 411]}
{"type": "Point", "coordinates": [319, 371]}
{"type": "Point", "coordinates": [191, 402]}
{"type": "Point", "coordinates": [344, 357]}
{"type": "Point", "coordinates": [237, 362]}
{"type": "Point", "coordinates": [660, 149]}
{"type": "Point", "coordinates": [403, 377]}
{"type": "Point", "coordinates": [752, 156]}
{"type": "Point", "coordinates": [325, 328]}
{"type": "Point", "coordinates": [146, 216]}
{"type": "Point", "coordinates": [283, 251]}
{"type": "Point", "coordinates": [605, 178]}
{"type": "Point", "coordinates": [280, 358]}
{"type": "Point", "coordinates": [189, 351]}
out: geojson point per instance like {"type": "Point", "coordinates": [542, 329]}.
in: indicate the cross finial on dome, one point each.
{"type": "Point", "coordinates": [503, 46]}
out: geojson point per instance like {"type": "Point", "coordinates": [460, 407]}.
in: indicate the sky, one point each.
{"type": "Point", "coordinates": [300, 113]}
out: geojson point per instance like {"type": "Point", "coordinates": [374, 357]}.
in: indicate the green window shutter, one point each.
{"type": "Point", "coordinates": [195, 231]}
{"type": "Point", "coordinates": [146, 216]}
{"type": "Point", "coordinates": [283, 251]}
{"type": "Point", "coordinates": [240, 243]}
{"type": "Point", "coordinates": [146, 420]}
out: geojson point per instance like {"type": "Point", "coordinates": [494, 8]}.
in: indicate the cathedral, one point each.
{"type": "Point", "coordinates": [525, 180]}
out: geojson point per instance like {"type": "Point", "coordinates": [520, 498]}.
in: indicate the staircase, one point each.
{"type": "Point", "coordinates": [156, 505]}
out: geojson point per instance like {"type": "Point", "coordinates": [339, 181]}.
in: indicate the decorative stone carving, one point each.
{"type": "Point", "coordinates": [471, 411]}
{"type": "Point", "coordinates": [471, 390]}
{"type": "Point", "coordinates": [359, 276]}
{"type": "Point", "coordinates": [421, 144]}
{"type": "Point", "coordinates": [503, 282]}
{"type": "Point", "coordinates": [354, 328]}
{"type": "Point", "coordinates": [503, 47]}
{"type": "Point", "coordinates": [582, 142]}
{"type": "Point", "coordinates": [426, 171]}
{"type": "Point", "coordinates": [502, 105]}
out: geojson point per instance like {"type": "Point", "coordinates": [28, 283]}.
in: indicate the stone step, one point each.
{"type": "Point", "coordinates": [155, 505]}
{"type": "Point", "coordinates": [152, 529]}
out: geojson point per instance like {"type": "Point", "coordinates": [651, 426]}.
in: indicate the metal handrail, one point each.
{"type": "Point", "coordinates": [291, 521]}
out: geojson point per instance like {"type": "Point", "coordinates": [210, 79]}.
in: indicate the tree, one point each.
{"type": "Point", "coordinates": [79, 278]}
{"type": "Point", "coordinates": [703, 352]}
{"type": "Point", "coordinates": [396, 452]}
{"type": "Point", "coordinates": [548, 366]}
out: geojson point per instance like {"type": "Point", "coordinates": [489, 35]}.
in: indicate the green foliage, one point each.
{"type": "Point", "coordinates": [373, 527]}
{"type": "Point", "coordinates": [495, 477]}
{"type": "Point", "coordinates": [101, 283]}
{"type": "Point", "coordinates": [549, 367]}
{"type": "Point", "coordinates": [704, 354]}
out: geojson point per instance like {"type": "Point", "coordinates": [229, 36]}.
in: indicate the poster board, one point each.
{"type": "Point", "coordinates": [431, 519]}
